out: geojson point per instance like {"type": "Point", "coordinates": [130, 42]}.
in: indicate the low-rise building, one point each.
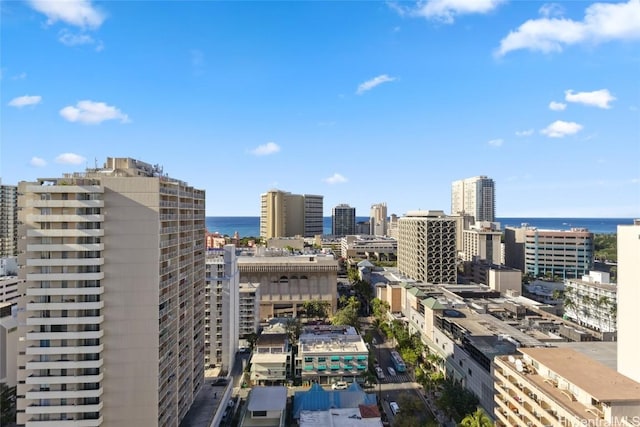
{"type": "Point", "coordinates": [9, 288]}
{"type": "Point", "coordinates": [592, 301]}
{"type": "Point", "coordinates": [369, 247]}
{"type": "Point", "coordinates": [266, 407]}
{"type": "Point", "coordinates": [561, 387]}
{"type": "Point", "coordinates": [271, 359]}
{"type": "Point", "coordinates": [328, 354]}
{"type": "Point", "coordinates": [287, 281]}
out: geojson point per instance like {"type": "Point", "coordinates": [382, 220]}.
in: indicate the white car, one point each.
{"type": "Point", "coordinates": [340, 385]}
{"type": "Point", "coordinates": [391, 371]}
{"type": "Point", "coordinates": [394, 408]}
{"type": "Point", "coordinates": [379, 373]}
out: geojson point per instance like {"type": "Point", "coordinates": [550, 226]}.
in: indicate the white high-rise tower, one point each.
{"type": "Point", "coordinates": [474, 196]}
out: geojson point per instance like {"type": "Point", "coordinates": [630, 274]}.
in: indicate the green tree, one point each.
{"type": "Point", "coordinates": [348, 314]}
{"type": "Point", "coordinates": [7, 405]}
{"type": "Point", "coordinates": [293, 328]}
{"type": "Point", "coordinates": [353, 275]}
{"type": "Point", "coordinates": [476, 419]}
{"type": "Point", "coordinates": [316, 309]}
{"type": "Point", "coordinates": [380, 309]}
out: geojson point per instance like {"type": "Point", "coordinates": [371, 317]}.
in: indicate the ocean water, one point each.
{"type": "Point", "coordinates": [250, 225]}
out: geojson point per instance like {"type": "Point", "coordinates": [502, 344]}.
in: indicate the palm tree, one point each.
{"type": "Point", "coordinates": [601, 303]}
{"type": "Point", "coordinates": [476, 419]}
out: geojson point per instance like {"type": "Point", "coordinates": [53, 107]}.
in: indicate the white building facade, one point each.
{"type": "Point", "coordinates": [628, 297]}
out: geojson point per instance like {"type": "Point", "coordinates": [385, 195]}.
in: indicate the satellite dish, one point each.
{"type": "Point", "coordinates": [512, 359]}
{"type": "Point", "coordinates": [519, 365]}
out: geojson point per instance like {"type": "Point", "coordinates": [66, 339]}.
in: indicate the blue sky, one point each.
{"type": "Point", "coordinates": [360, 101]}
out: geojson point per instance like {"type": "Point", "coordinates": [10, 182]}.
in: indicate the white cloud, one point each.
{"type": "Point", "coordinates": [91, 112]}
{"type": "Point", "coordinates": [560, 129]}
{"type": "Point", "coordinates": [69, 39]}
{"type": "Point", "coordinates": [602, 22]}
{"type": "Point", "coordinates": [80, 13]}
{"type": "Point", "coordinates": [70, 159]}
{"type": "Point", "coordinates": [598, 98]}
{"type": "Point", "coordinates": [496, 142]}
{"type": "Point", "coordinates": [446, 10]}
{"type": "Point", "coordinates": [38, 162]}
{"type": "Point", "coordinates": [336, 178]}
{"type": "Point", "coordinates": [557, 106]}
{"type": "Point", "coordinates": [551, 9]}
{"type": "Point", "coordinates": [23, 101]}
{"type": "Point", "coordinates": [20, 76]}
{"type": "Point", "coordinates": [527, 132]}
{"type": "Point", "coordinates": [370, 84]}
{"type": "Point", "coordinates": [266, 149]}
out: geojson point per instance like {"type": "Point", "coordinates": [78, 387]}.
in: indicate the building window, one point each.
{"type": "Point", "coordinates": [259, 413]}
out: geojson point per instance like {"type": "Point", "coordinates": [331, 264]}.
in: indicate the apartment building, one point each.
{"type": "Point", "coordinates": [592, 301]}
{"type": "Point", "coordinates": [8, 221]}
{"type": "Point", "coordinates": [328, 354]}
{"type": "Point", "coordinates": [474, 196]}
{"type": "Point", "coordinates": [482, 242]}
{"type": "Point", "coordinates": [222, 315]}
{"type": "Point", "coordinates": [287, 281]}
{"type": "Point", "coordinates": [343, 220]}
{"type": "Point", "coordinates": [271, 357]}
{"type": "Point", "coordinates": [378, 219]}
{"type": "Point", "coordinates": [283, 214]}
{"type": "Point", "coordinates": [560, 387]}
{"type": "Point", "coordinates": [628, 297]}
{"type": "Point", "coordinates": [111, 323]}
{"type": "Point", "coordinates": [249, 311]}
{"type": "Point", "coordinates": [427, 247]}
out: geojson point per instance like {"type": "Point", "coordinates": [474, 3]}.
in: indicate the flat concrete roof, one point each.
{"type": "Point", "coordinates": [269, 357]}
{"type": "Point", "coordinates": [346, 417]}
{"type": "Point", "coordinates": [600, 381]}
{"type": "Point", "coordinates": [603, 352]}
{"type": "Point", "coordinates": [272, 398]}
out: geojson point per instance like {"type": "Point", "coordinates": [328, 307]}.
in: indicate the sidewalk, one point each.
{"type": "Point", "coordinates": [437, 413]}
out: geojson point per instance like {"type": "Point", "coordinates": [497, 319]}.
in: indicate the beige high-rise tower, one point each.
{"type": "Point", "coordinates": [283, 214]}
{"type": "Point", "coordinates": [474, 196]}
{"type": "Point", "coordinates": [112, 325]}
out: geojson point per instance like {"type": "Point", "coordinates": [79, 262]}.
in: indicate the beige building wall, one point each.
{"type": "Point", "coordinates": [114, 270]}
{"type": "Point", "coordinates": [503, 280]}
{"type": "Point", "coordinates": [283, 214]}
{"type": "Point", "coordinates": [628, 298]}
{"type": "Point", "coordinates": [286, 282]}
{"type": "Point", "coordinates": [561, 387]}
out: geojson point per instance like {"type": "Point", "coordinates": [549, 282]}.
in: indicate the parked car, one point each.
{"type": "Point", "coordinates": [379, 373]}
{"type": "Point", "coordinates": [394, 408]}
{"type": "Point", "coordinates": [391, 371]}
{"type": "Point", "coordinates": [340, 385]}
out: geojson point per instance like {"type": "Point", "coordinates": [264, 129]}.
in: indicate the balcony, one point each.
{"type": "Point", "coordinates": [33, 306]}
{"type": "Point", "coordinates": [64, 364]}
{"type": "Point", "coordinates": [70, 379]}
{"type": "Point", "coordinates": [66, 247]}
{"type": "Point", "coordinates": [65, 218]}
{"type": "Point", "coordinates": [72, 320]}
{"type": "Point", "coordinates": [66, 394]}
{"type": "Point", "coordinates": [54, 262]}
{"type": "Point", "coordinates": [58, 232]}
{"type": "Point", "coordinates": [34, 277]}
{"type": "Point", "coordinates": [66, 423]}
{"type": "Point", "coordinates": [36, 336]}
{"type": "Point", "coordinates": [65, 203]}
{"type": "Point", "coordinates": [68, 409]}
{"type": "Point", "coordinates": [98, 290]}
{"type": "Point", "coordinates": [83, 349]}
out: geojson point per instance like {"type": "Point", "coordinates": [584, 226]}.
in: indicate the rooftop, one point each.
{"type": "Point", "coordinates": [272, 398]}
{"type": "Point", "coordinates": [344, 417]}
{"type": "Point", "coordinates": [595, 378]}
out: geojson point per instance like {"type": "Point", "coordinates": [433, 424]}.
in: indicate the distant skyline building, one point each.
{"type": "Point", "coordinates": [628, 311]}
{"type": "Point", "coordinates": [283, 214]}
{"type": "Point", "coordinates": [482, 242]}
{"type": "Point", "coordinates": [111, 326]}
{"type": "Point", "coordinates": [474, 196]}
{"type": "Point", "coordinates": [343, 220]}
{"type": "Point", "coordinates": [378, 219]}
{"type": "Point", "coordinates": [427, 247]}
{"type": "Point", "coordinates": [8, 221]}
{"type": "Point", "coordinates": [567, 254]}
